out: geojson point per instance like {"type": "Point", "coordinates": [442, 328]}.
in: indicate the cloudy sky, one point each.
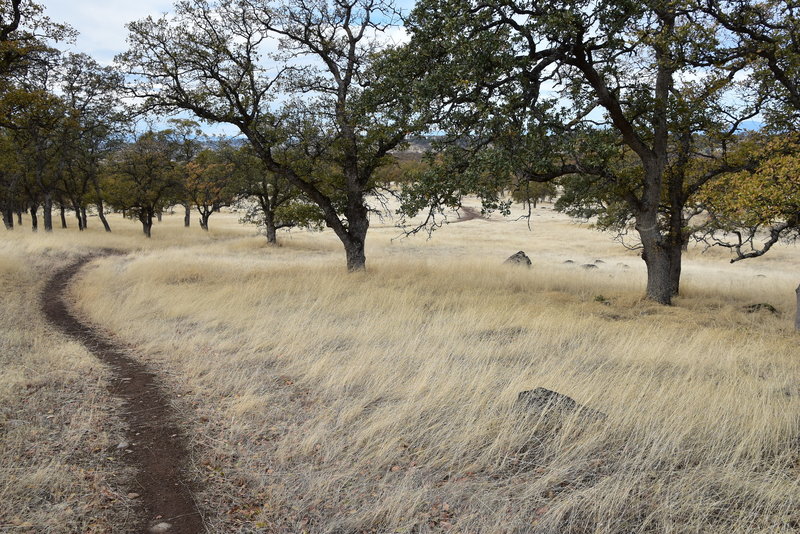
{"type": "Point", "coordinates": [101, 23]}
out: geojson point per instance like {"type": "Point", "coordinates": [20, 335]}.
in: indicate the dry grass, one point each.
{"type": "Point", "coordinates": [59, 470]}
{"type": "Point", "coordinates": [384, 401]}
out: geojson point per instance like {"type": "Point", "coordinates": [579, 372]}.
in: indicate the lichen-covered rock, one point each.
{"type": "Point", "coordinates": [520, 258]}
{"type": "Point", "coordinates": [554, 403]}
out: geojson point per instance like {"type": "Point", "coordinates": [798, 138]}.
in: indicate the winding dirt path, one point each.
{"type": "Point", "coordinates": [158, 451]}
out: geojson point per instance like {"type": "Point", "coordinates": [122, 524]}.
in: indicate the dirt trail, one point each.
{"type": "Point", "coordinates": [158, 451]}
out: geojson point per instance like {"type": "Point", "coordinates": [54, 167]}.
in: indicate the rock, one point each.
{"type": "Point", "coordinates": [123, 445]}
{"type": "Point", "coordinates": [133, 495]}
{"type": "Point", "coordinates": [160, 527]}
{"type": "Point", "coordinates": [520, 258]}
{"type": "Point", "coordinates": [552, 402]}
{"type": "Point", "coordinates": [761, 276]}
{"type": "Point", "coordinates": [569, 261]}
{"type": "Point", "coordinates": [599, 261]}
{"type": "Point", "coordinates": [589, 266]}
{"type": "Point", "coordinates": [761, 306]}
{"type": "Point", "coordinates": [790, 391]}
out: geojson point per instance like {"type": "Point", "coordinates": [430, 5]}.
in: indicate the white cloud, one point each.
{"type": "Point", "coordinates": [102, 23]}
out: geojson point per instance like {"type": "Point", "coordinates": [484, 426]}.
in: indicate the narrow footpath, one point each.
{"type": "Point", "coordinates": [156, 443]}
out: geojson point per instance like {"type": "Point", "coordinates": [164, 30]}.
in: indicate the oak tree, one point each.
{"type": "Point", "coordinates": [314, 105]}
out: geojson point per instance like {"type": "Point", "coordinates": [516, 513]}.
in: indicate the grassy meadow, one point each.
{"type": "Point", "coordinates": [324, 402]}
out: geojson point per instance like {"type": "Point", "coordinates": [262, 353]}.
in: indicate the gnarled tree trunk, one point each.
{"type": "Point", "coordinates": [187, 215]}
{"type": "Point", "coordinates": [146, 218]}
{"type": "Point", "coordinates": [34, 218]}
{"type": "Point", "coordinates": [269, 223]}
{"type": "Point", "coordinates": [8, 218]}
{"type": "Point", "coordinates": [102, 216]}
{"type": "Point", "coordinates": [47, 215]}
{"type": "Point", "coordinates": [354, 239]}
{"type": "Point", "coordinates": [78, 217]}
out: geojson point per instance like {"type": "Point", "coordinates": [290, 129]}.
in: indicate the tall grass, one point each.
{"type": "Point", "coordinates": [384, 401]}
{"type": "Point", "coordinates": [59, 468]}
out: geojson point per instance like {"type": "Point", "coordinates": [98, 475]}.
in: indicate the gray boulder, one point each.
{"type": "Point", "coordinates": [554, 403]}
{"type": "Point", "coordinates": [520, 258]}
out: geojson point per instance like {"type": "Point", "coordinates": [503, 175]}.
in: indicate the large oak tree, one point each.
{"type": "Point", "coordinates": [624, 96]}
{"type": "Point", "coordinates": [296, 79]}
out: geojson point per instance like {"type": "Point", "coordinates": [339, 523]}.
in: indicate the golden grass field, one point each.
{"type": "Point", "coordinates": [324, 402]}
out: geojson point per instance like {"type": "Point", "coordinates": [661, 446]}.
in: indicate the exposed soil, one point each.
{"type": "Point", "coordinates": [157, 446]}
{"type": "Point", "coordinates": [469, 214]}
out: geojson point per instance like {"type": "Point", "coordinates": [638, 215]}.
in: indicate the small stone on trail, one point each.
{"type": "Point", "coordinates": [160, 527]}
{"type": "Point", "coordinates": [520, 258]}
{"type": "Point", "coordinates": [569, 261]}
{"type": "Point", "coordinates": [589, 266]}
{"type": "Point", "coordinates": [132, 495]}
{"type": "Point", "coordinates": [123, 445]}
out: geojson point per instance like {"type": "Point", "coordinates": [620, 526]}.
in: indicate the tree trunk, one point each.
{"type": "Point", "coordinates": [356, 258]}
{"type": "Point", "coordinates": [63, 213]}
{"type": "Point", "coordinates": [147, 223]}
{"type": "Point", "coordinates": [658, 256]}
{"type": "Point", "coordinates": [102, 216]}
{"type": "Point", "coordinates": [204, 215]}
{"type": "Point", "coordinates": [124, 214]}
{"type": "Point", "coordinates": [358, 224]}
{"type": "Point", "coordinates": [8, 218]}
{"type": "Point", "coordinates": [797, 313]}
{"type": "Point", "coordinates": [19, 217]}
{"type": "Point", "coordinates": [158, 215]}
{"type": "Point", "coordinates": [78, 216]}
{"type": "Point", "coordinates": [83, 217]}
{"type": "Point", "coordinates": [34, 218]}
{"type": "Point", "coordinates": [187, 215]}
{"type": "Point", "coordinates": [269, 223]}
{"type": "Point", "coordinates": [47, 216]}
{"type": "Point", "coordinates": [659, 275]}
{"type": "Point", "coordinates": [675, 258]}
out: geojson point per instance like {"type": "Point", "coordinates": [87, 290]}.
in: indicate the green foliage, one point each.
{"type": "Point", "coordinates": [143, 176]}
{"type": "Point", "coordinates": [764, 197]}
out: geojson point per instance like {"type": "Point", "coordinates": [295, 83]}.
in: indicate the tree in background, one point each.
{"type": "Point", "coordinates": [209, 183]}
{"type": "Point", "coordinates": [277, 203]}
{"type": "Point", "coordinates": [750, 211]}
{"type": "Point", "coordinates": [94, 127]}
{"type": "Point", "coordinates": [623, 97]}
{"type": "Point", "coordinates": [142, 178]}
{"type": "Point", "coordinates": [11, 175]}
{"type": "Point", "coordinates": [191, 140]}
{"type": "Point", "coordinates": [32, 114]}
{"type": "Point", "coordinates": [211, 58]}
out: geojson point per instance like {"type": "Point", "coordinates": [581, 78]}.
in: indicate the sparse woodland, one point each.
{"type": "Point", "coordinates": [646, 156]}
